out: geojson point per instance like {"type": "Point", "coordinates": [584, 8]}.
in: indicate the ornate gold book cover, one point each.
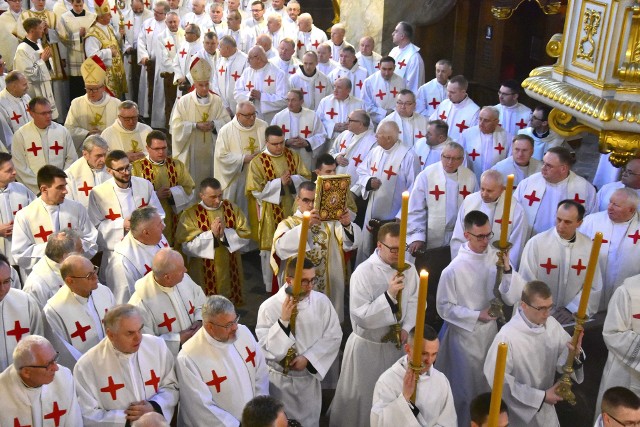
{"type": "Point", "coordinates": [331, 196]}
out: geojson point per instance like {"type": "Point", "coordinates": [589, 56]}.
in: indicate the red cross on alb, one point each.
{"type": "Point", "coordinates": [402, 64]}
{"type": "Point", "coordinates": [579, 267]}
{"type": "Point", "coordinates": [55, 414]}
{"type": "Point", "coordinates": [43, 234]}
{"type": "Point", "coordinates": [548, 266]}
{"type": "Point", "coordinates": [473, 154]}
{"type": "Point", "coordinates": [532, 198]}
{"type": "Point", "coordinates": [499, 147]}
{"type": "Point", "coordinates": [464, 192]}
{"type": "Point", "coordinates": [331, 113]}
{"type": "Point", "coordinates": [85, 188]}
{"type": "Point", "coordinates": [16, 117]}
{"type": "Point", "coordinates": [34, 149]}
{"type": "Point", "coordinates": [216, 381]}
{"type": "Point", "coordinates": [56, 147]}
{"type": "Point", "coordinates": [81, 331]}
{"type": "Point", "coordinates": [436, 192]}
{"type": "Point", "coordinates": [635, 236]}
{"type": "Point", "coordinates": [320, 87]}
{"type": "Point", "coordinates": [462, 126]}
{"type": "Point", "coordinates": [434, 103]}
{"type": "Point", "coordinates": [269, 80]}
{"type": "Point", "coordinates": [18, 331]}
{"type": "Point", "coordinates": [128, 25]}
{"type": "Point", "coordinates": [169, 45]}
{"type": "Point", "coordinates": [389, 172]}
{"type": "Point", "coordinates": [521, 124]}
{"type": "Point", "coordinates": [153, 381]}
{"type": "Point", "coordinates": [357, 160]}
{"type": "Point", "coordinates": [235, 76]}
{"type": "Point", "coordinates": [381, 94]}
{"type": "Point", "coordinates": [112, 388]}
{"type": "Point", "coordinates": [250, 86]}
{"type": "Point", "coordinates": [284, 129]}
{"type": "Point", "coordinates": [306, 131]}
{"type": "Point", "coordinates": [251, 356]}
{"type": "Point", "coordinates": [148, 30]}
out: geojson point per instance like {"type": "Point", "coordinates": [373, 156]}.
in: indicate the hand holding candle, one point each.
{"type": "Point", "coordinates": [591, 271]}
{"type": "Point", "coordinates": [506, 211]}
{"type": "Point", "coordinates": [498, 382]}
{"type": "Point", "coordinates": [404, 214]}
{"type": "Point", "coordinates": [302, 250]}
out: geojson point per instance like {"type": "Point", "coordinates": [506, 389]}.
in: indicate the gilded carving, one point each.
{"type": "Point", "coordinates": [629, 69]}
{"type": "Point", "coordinates": [623, 146]}
{"type": "Point", "coordinates": [591, 24]}
{"type": "Point", "coordinates": [554, 47]}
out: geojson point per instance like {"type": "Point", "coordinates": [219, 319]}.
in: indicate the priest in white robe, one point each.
{"type": "Point", "coordinates": [630, 178]}
{"type": "Point", "coordinates": [559, 257]}
{"type": "Point", "coordinates": [458, 110]}
{"type": "Point", "coordinates": [381, 89]}
{"type": "Point", "coordinates": [314, 84]}
{"type": "Point", "coordinates": [14, 103]}
{"type": "Point", "coordinates": [127, 374]}
{"type": "Point", "coordinates": [620, 227]}
{"type": "Point", "coordinates": [220, 369]}
{"type": "Point", "coordinates": [334, 110]}
{"type": "Point", "coordinates": [184, 45]}
{"type": "Point", "coordinates": [337, 40]}
{"type": "Point", "coordinates": [75, 312]}
{"type": "Point", "coordinates": [9, 39]}
{"type": "Point", "coordinates": [47, 214]}
{"type": "Point", "coordinates": [88, 171]}
{"type": "Point", "coordinates": [432, 93]}
{"type": "Point", "coordinates": [409, 63]}
{"type": "Point", "coordinates": [232, 64]}
{"type": "Point", "coordinates": [375, 311]}
{"type": "Point", "coordinates": [243, 38]}
{"type": "Point", "coordinates": [41, 142]}
{"type": "Point", "coordinates": [465, 290]}
{"type": "Point", "coordinates": [413, 126]}
{"type": "Point", "coordinates": [433, 401]}
{"type": "Point", "coordinates": [514, 117]}
{"type": "Point", "coordinates": [169, 300]}
{"type": "Point", "coordinates": [315, 341]}
{"type": "Point", "coordinates": [490, 201]}
{"type": "Point", "coordinates": [429, 148]}
{"type": "Point", "coordinates": [521, 163]}
{"type": "Point", "coordinates": [529, 390]}
{"type": "Point", "coordinates": [540, 194]}
{"type": "Point", "coordinates": [38, 391]}
{"type": "Point", "coordinates": [126, 133]}
{"type": "Point", "coordinates": [325, 64]}
{"type": "Point", "coordinates": [350, 69]}
{"type": "Point", "coordinates": [367, 58]}
{"type": "Point", "coordinates": [309, 36]}
{"type": "Point", "coordinates": [286, 61]}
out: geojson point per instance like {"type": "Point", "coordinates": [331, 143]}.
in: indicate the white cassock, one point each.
{"type": "Point", "coordinates": [20, 316]}
{"type": "Point", "coordinates": [168, 44]}
{"type": "Point", "coordinates": [527, 378]}
{"type": "Point", "coordinates": [429, 96]}
{"type": "Point", "coordinates": [620, 333]}
{"type": "Point", "coordinates": [606, 173]}
{"type": "Point", "coordinates": [562, 265]}
{"type": "Point", "coordinates": [369, 63]}
{"type": "Point", "coordinates": [71, 23]}
{"type": "Point", "coordinates": [168, 311]}
{"type": "Point", "coordinates": [77, 321]}
{"type": "Point", "coordinates": [306, 125]}
{"type": "Point", "coordinates": [107, 381]}
{"type": "Point", "coordinates": [13, 115]}
{"type": "Point", "coordinates": [193, 147]}
{"type": "Point", "coordinates": [218, 378]}
{"type": "Point", "coordinates": [356, 74]}
{"type": "Point", "coordinates": [288, 68]}
{"type": "Point", "coordinates": [126, 140]}
{"type": "Point", "coordinates": [81, 179]}
{"type": "Point", "coordinates": [514, 119]}
{"type": "Point", "coordinates": [151, 31]}
{"type": "Point", "coordinates": [327, 67]}
{"type": "Point", "coordinates": [181, 59]}
{"type": "Point", "coordinates": [484, 150]}
{"type": "Point", "coordinates": [366, 357]}
{"type": "Point", "coordinates": [619, 251]}
{"type": "Point", "coordinates": [428, 154]}
{"type": "Point", "coordinates": [272, 84]}
{"type": "Point", "coordinates": [379, 95]}
{"type": "Point", "coordinates": [411, 128]}
{"type": "Point", "coordinates": [314, 88]}
{"type": "Point", "coordinates": [518, 227]}
{"type": "Point", "coordinates": [234, 142]}
{"type": "Point", "coordinates": [33, 148]}
{"type": "Point", "coordinates": [202, 21]}
{"type": "Point", "coordinates": [276, 37]}
{"type": "Point", "coordinates": [540, 198]}
{"type": "Point", "coordinates": [465, 289]}
{"type": "Point", "coordinates": [335, 49]}
{"type": "Point", "coordinates": [509, 167]}
{"type": "Point", "coordinates": [354, 148]}
{"type": "Point", "coordinates": [409, 65]}
{"type": "Point", "coordinates": [36, 222]}
{"type": "Point", "coordinates": [227, 74]}
{"type": "Point", "coordinates": [132, 27]}
{"type": "Point", "coordinates": [432, 210]}
{"type": "Point", "coordinates": [326, 244]}
{"type": "Point", "coordinates": [13, 198]}
{"type": "Point", "coordinates": [53, 404]}
{"type": "Point", "coordinates": [8, 36]}
{"type": "Point", "coordinates": [131, 261]}
{"type": "Point", "coordinates": [317, 337]}
{"type": "Point", "coordinates": [85, 116]}
{"type": "Point", "coordinates": [27, 60]}
{"type": "Point", "coordinates": [542, 143]}
{"type": "Point", "coordinates": [244, 39]}
{"type": "Point", "coordinates": [44, 280]}
{"type": "Point", "coordinates": [384, 203]}
{"type": "Point", "coordinates": [459, 117]}
{"type": "Point", "coordinates": [332, 111]}
{"type": "Point", "coordinates": [434, 400]}
{"type": "Point", "coordinates": [310, 41]}
{"type": "Point", "coordinates": [606, 191]}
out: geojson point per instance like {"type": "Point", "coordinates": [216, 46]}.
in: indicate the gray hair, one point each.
{"type": "Point", "coordinates": [69, 264]}
{"type": "Point", "coordinates": [23, 353]}
{"type": "Point", "coordinates": [492, 174]}
{"type": "Point", "coordinates": [243, 104]}
{"type": "Point", "coordinates": [164, 261]}
{"type": "Point", "coordinates": [172, 13]}
{"type": "Point", "coordinates": [140, 217]}
{"type": "Point", "coordinates": [492, 109]}
{"type": "Point", "coordinates": [452, 145]}
{"type": "Point", "coordinates": [127, 105]}
{"type": "Point", "coordinates": [196, 29]}
{"type": "Point", "coordinates": [216, 304]}
{"type": "Point", "coordinates": [228, 41]}
{"type": "Point", "coordinates": [112, 319]}
{"type": "Point", "coordinates": [630, 195]}
{"type": "Point", "coordinates": [60, 244]}
{"type": "Point", "coordinates": [164, 4]}
{"type": "Point", "coordinates": [93, 141]}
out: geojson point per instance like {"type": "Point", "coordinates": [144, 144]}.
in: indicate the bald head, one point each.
{"type": "Point", "coordinates": [264, 40]}
{"type": "Point", "coordinates": [257, 57]}
{"type": "Point", "coordinates": [387, 134]}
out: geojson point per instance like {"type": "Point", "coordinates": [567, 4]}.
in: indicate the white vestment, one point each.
{"type": "Point", "coordinates": [562, 265]}
{"type": "Point", "coordinates": [218, 378]}
{"type": "Point", "coordinates": [44, 280]}
{"type": "Point", "coordinates": [107, 381]}
{"type": "Point", "coordinates": [327, 67]}
{"type": "Point", "coordinates": [307, 125]}
{"type": "Point", "coordinates": [288, 68]}
{"type": "Point", "coordinates": [606, 191]}
{"type": "Point", "coordinates": [428, 154]}
{"type": "Point", "coordinates": [619, 251]}
{"type": "Point", "coordinates": [606, 173]}
{"type": "Point", "coordinates": [459, 117]}
{"type": "Point", "coordinates": [244, 39]}
{"type": "Point", "coordinates": [369, 63]}
{"type": "Point", "coordinates": [411, 128]}
{"type": "Point", "coordinates": [33, 148]}
{"type": "Point", "coordinates": [132, 27]}
{"type": "Point", "coordinates": [354, 148]}
{"type": "Point", "coordinates": [429, 96]}
{"type": "Point", "coordinates": [13, 198]}
{"type": "Point", "coordinates": [314, 88]}
{"type": "Point", "coordinates": [527, 378]}
{"type": "Point", "coordinates": [162, 306]}
{"type": "Point", "coordinates": [227, 75]}
{"type": "Point", "coordinates": [53, 404]}
{"type": "Point", "coordinates": [152, 30]}
{"type": "Point", "coordinates": [518, 227]}
{"type": "Point", "coordinates": [465, 289]}
{"type": "Point", "coordinates": [484, 150]}
{"type": "Point", "coordinates": [180, 57]}
{"type": "Point", "coordinates": [379, 95]}
{"type": "Point", "coordinates": [409, 65]}
{"type": "Point", "coordinates": [20, 316]}
{"type": "Point", "coordinates": [272, 84]}
{"type": "Point", "coordinates": [27, 60]}
{"type": "Point", "coordinates": [35, 223]}
{"type": "Point", "coordinates": [544, 142]}
{"type": "Point", "coordinates": [332, 111]}
{"type": "Point", "coordinates": [366, 357]}
{"type": "Point", "coordinates": [514, 119]}
{"type": "Point", "coordinates": [9, 36]}
{"type": "Point", "coordinates": [509, 167]}
{"type": "Point", "coordinates": [13, 115]}
{"type": "Point", "coordinates": [433, 399]}
{"type": "Point", "coordinates": [317, 337]}
{"type": "Point", "coordinates": [81, 179]}
{"type": "Point", "coordinates": [310, 41]}
{"type": "Point", "coordinates": [126, 140]}
{"type": "Point", "coordinates": [85, 116]}
{"type": "Point", "coordinates": [356, 74]}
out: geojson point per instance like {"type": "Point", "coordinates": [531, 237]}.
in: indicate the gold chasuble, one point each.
{"type": "Point", "coordinates": [116, 79]}
{"type": "Point", "coordinates": [221, 275]}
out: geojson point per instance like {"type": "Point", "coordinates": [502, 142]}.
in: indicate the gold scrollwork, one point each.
{"type": "Point", "coordinates": [629, 70]}
{"type": "Point", "coordinates": [591, 24]}
{"type": "Point", "coordinates": [623, 146]}
{"type": "Point", "coordinates": [554, 46]}
{"type": "Point", "coordinates": [563, 123]}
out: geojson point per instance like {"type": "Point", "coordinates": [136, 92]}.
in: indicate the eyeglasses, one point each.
{"type": "Point", "coordinates": [392, 250]}
{"type": "Point", "coordinates": [628, 172]}
{"type": "Point", "coordinates": [228, 325]}
{"type": "Point", "coordinates": [89, 275]}
{"type": "Point", "coordinates": [123, 169]}
{"type": "Point", "coordinates": [93, 89]}
{"type": "Point", "coordinates": [541, 309]}
{"type": "Point", "coordinates": [481, 237]}
{"type": "Point", "coordinates": [47, 366]}
{"type": "Point", "coordinates": [404, 104]}
{"type": "Point", "coordinates": [43, 113]}
{"type": "Point", "coordinates": [624, 423]}
{"type": "Point", "coordinates": [451, 158]}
